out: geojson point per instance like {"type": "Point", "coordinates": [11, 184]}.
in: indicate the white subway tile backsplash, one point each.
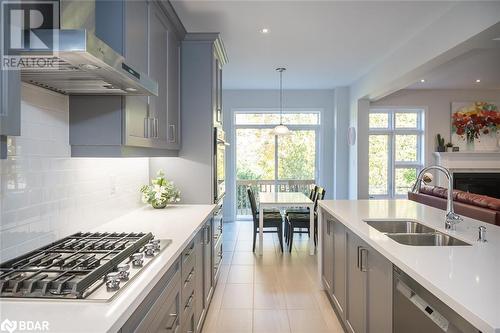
{"type": "Point", "coordinates": [46, 194]}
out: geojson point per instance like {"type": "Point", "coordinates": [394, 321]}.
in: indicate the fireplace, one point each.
{"type": "Point", "coordinates": [478, 182]}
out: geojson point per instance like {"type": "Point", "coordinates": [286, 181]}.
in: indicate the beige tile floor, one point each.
{"type": "Point", "coordinates": [275, 293]}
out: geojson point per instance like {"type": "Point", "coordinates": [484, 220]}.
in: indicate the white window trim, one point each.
{"type": "Point", "coordinates": [392, 132]}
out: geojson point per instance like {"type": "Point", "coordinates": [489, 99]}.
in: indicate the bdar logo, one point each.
{"type": "Point", "coordinates": [9, 326]}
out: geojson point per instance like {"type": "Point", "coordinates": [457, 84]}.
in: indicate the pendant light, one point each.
{"type": "Point", "coordinates": [281, 129]}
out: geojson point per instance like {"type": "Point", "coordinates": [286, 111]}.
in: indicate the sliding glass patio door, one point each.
{"type": "Point", "coordinates": [269, 163]}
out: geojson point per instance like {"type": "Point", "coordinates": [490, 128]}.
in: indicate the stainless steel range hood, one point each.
{"type": "Point", "coordinates": [81, 63]}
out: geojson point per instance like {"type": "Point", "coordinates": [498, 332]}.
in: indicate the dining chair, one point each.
{"type": "Point", "coordinates": [301, 221]}
{"type": "Point", "coordinates": [272, 219]}
{"type": "Point", "coordinates": [305, 210]}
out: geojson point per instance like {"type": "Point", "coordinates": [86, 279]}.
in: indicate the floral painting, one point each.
{"type": "Point", "coordinates": [475, 125]}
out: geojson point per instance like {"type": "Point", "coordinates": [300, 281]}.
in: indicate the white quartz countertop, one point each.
{"type": "Point", "coordinates": [179, 223]}
{"type": "Point", "coordinates": [466, 278]}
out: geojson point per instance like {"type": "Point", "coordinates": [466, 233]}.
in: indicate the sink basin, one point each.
{"type": "Point", "coordinates": [431, 239]}
{"type": "Point", "coordinates": [414, 233]}
{"type": "Point", "coordinates": [399, 227]}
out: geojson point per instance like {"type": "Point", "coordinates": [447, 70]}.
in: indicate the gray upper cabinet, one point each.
{"type": "Point", "coordinates": [136, 51]}
{"type": "Point", "coordinates": [114, 126]}
{"type": "Point", "coordinates": [10, 107]}
{"type": "Point", "coordinates": [164, 67]}
{"type": "Point", "coordinates": [10, 104]}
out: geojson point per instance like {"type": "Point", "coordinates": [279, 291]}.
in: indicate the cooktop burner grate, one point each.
{"type": "Point", "coordinates": [70, 268]}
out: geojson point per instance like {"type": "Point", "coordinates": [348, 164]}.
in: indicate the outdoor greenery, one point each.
{"type": "Point", "coordinates": [387, 129]}
{"type": "Point", "coordinates": [259, 151]}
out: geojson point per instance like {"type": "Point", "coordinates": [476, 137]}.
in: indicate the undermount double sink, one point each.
{"type": "Point", "coordinates": [414, 233]}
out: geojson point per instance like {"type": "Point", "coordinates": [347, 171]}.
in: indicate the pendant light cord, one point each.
{"type": "Point", "coordinates": [281, 97]}
{"type": "Point", "coordinates": [281, 69]}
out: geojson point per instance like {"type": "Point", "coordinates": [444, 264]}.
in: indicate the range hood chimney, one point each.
{"type": "Point", "coordinates": [80, 63]}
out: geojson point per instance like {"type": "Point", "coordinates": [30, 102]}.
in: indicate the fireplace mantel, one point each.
{"type": "Point", "coordinates": [470, 162]}
{"type": "Point", "coordinates": [478, 161]}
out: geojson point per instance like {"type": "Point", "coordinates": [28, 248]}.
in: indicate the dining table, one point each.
{"type": "Point", "coordinates": [283, 200]}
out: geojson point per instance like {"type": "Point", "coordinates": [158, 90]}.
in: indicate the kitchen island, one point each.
{"type": "Point", "coordinates": [465, 278]}
{"type": "Point", "coordinates": [179, 223]}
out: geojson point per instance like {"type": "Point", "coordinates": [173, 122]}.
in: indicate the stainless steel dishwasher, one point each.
{"type": "Point", "coordinates": [416, 310]}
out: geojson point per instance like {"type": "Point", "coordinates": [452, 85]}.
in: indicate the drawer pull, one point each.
{"type": "Point", "coordinates": [172, 323]}
{"type": "Point", "coordinates": [190, 301]}
{"type": "Point", "coordinates": [190, 276]}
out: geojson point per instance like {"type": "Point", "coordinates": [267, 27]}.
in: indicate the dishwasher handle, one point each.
{"type": "Point", "coordinates": [422, 305]}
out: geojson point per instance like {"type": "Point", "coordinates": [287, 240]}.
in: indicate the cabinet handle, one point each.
{"type": "Point", "coordinates": [171, 325]}
{"type": "Point", "coordinates": [207, 235]}
{"type": "Point", "coordinates": [190, 301]}
{"type": "Point", "coordinates": [190, 276]}
{"type": "Point", "coordinates": [156, 128]}
{"type": "Point", "coordinates": [146, 127]}
{"type": "Point", "coordinates": [172, 134]}
{"type": "Point", "coordinates": [328, 225]}
{"type": "Point", "coordinates": [363, 254]}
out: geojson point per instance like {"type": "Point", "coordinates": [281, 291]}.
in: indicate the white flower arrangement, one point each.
{"type": "Point", "coordinates": [161, 192]}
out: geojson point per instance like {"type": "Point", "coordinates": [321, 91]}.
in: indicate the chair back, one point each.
{"type": "Point", "coordinates": [320, 195]}
{"type": "Point", "coordinates": [312, 194]}
{"type": "Point", "coordinates": [253, 203]}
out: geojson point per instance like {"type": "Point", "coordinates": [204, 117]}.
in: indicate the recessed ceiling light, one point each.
{"type": "Point", "coordinates": [478, 80]}
{"type": "Point", "coordinates": [265, 31]}
{"type": "Point", "coordinates": [130, 89]}
{"type": "Point", "coordinates": [422, 80]}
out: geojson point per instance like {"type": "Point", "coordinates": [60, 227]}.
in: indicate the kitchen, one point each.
{"type": "Point", "coordinates": [144, 100]}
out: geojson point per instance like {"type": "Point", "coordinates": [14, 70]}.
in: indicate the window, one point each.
{"type": "Point", "coordinates": [270, 163]}
{"type": "Point", "coordinates": [395, 151]}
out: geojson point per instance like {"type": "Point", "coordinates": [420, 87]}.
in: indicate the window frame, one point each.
{"type": "Point", "coordinates": [297, 127]}
{"type": "Point", "coordinates": [392, 131]}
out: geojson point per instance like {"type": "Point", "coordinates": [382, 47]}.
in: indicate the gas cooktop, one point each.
{"type": "Point", "coordinates": [81, 266]}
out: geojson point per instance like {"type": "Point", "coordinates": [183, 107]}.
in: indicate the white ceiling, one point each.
{"type": "Point", "coordinates": [462, 72]}
{"type": "Point", "coordinates": [323, 44]}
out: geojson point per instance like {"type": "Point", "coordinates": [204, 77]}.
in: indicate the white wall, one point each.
{"type": "Point", "coordinates": [449, 36]}
{"type": "Point", "coordinates": [438, 106]}
{"type": "Point", "coordinates": [45, 194]}
{"type": "Point", "coordinates": [323, 100]}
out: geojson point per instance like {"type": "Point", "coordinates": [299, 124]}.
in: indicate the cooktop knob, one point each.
{"type": "Point", "coordinates": [123, 271]}
{"type": "Point", "coordinates": [149, 250]}
{"type": "Point", "coordinates": [156, 244]}
{"type": "Point", "coordinates": [137, 259]}
{"type": "Point", "coordinates": [112, 281]}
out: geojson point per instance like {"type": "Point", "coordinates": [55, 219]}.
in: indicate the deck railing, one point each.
{"type": "Point", "coordinates": [243, 205]}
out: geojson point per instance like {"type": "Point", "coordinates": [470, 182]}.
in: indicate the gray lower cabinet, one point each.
{"type": "Point", "coordinates": [328, 254]}
{"type": "Point", "coordinates": [339, 267]}
{"type": "Point", "coordinates": [357, 279]}
{"type": "Point", "coordinates": [369, 288]}
{"type": "Point", "coordinates": [180, 300]}
{"type": "Point", "coordinates": [160, 311]}
{"type": "Point", "coordinates": [208, 264]}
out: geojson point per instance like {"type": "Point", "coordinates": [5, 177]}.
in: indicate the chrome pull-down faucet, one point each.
{"type": "Point", "coordinates": [451, 217]}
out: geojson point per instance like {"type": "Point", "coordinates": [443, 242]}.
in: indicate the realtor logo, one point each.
{"type": "Point", "coordinates": [24, 326]}
{"type": "Point", "coordinates": [8, 325]}
{"type": "Point", "coordinates": [28, 25]}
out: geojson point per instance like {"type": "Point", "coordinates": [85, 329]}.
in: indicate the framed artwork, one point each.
{"type": "Point", "coordinates": [475, 126]}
